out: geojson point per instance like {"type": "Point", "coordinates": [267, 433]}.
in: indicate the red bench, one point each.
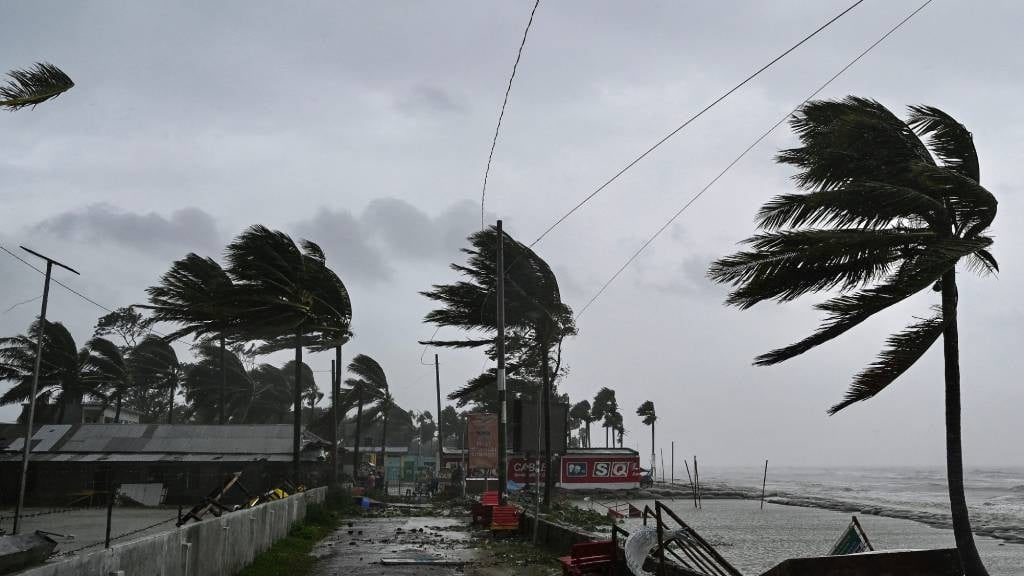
{"type": "Point", "coordinates": [590, 558]}
{"type": "Point", "coordinates": [482, 510]}
{"type": "Point", "coordinates": [504, 518]}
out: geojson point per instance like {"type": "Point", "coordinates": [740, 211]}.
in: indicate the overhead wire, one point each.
{"type": "Point", "coordinates": [501, 115]}
{"type": "Point", "coordinates": [690, 120]}
{"type": "Point", "coordinates": [742, 154]}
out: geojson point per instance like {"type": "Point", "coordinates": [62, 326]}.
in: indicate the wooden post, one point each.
{"type": "Point", "coordinates": [693, 489]}
{"type": "Point", "coordinates": [662, 465]}
{"type": "Point", "coordinates": [110, 507]}
{"type": "Point", "coordinates": [672, 473]}
{"type": "Point", "coordinates": [763, 482]}
{"type": "Point", "coordinates": [661, 544]}
{"type": "Point", "coordinates": [696, 479]}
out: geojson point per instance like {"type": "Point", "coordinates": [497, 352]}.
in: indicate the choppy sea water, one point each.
{"type": "Point", "coordinates": [899, 508]}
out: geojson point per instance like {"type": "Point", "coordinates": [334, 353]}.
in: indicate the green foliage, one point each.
{"type": "Point", "coordinates": [29, 88]}
{"type": "Point", "coordinates": [879, 221]}
{"type": "Point", "coordinates": [646, 411]}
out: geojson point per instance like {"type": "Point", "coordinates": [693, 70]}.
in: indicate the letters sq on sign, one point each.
{"type": "Point", "coordinates": [601, 469]}
{"type": "Point", "coordinates": [576, 469]}
{"type": "Point", "coordinates": [620, 469]}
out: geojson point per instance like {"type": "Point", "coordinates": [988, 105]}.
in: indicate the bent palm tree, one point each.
{"type": "Point", "coordinates": [646, 411]}
{"type": "Point", "coordinates": [218, 387]}
{"type": "Point", "coordinates": [62, 376]}
{"type": "Point", "coordinates": [581, 411]}
{"type": "Point", "coordinates": [154, 365]}
{"type": "Point", "coordinates": [368, 386]}
{"type": "Point", "coordinates": [604, 406]}
{"type": "Point", "coordinates": [107, 370]}
{"type": "Point", "coordinates": [29, 88]}
{"type": "Point", "coordinates": [196, 293]}
{"type": "Point", "coordinates": [885, 216]}
{"type": "Point", "coordinates": [533, 310]}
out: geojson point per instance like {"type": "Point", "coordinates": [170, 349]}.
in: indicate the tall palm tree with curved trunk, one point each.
{"type": "Point", "coordinates": [646, 411]}
{"type": "Point", "coordinates": [605, 405]}
{"type": "Point", "coordinates": [196, 294]}
{"type": "Point", "coordinates": [106, 369]}
{"type": "Point", "coordinates": [368, 386]}
{"type": "Point", "coordinates": [534, 311]}
{"type": "Point", "coordinates": [581, 411]}
{"type": "Point", "coordinates": [63, 375]}
{"type": "Point", "coordinates": [889, 210]}
{"type": "Point", "coordinates": [283, 296]}
{"type": "Point", "coordinates": [154, 364]}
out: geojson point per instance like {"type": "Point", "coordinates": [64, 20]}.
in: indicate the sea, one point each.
{"type": "Point", "coordinates": [806, 509]}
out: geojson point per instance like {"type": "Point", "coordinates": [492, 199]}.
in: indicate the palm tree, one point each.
{"type": "Point", "coordinates": [885, 216]}
{"type": "Point", "coordinates": [214, 397]}
{"type": "Point", "coordinates": [368, 386]}
{"type": "Point", "coordinates": [604, 406]}
{"type": "Point", "coordinates": [107, 370]}
{"type": "Point", "coordinates": [278, 298]}
{"type": "Point", "coordinates": [533, 310]}
{"type": "Point", "coordinates": [581, 411]}
{"type": "Point", "coordinates": [272, 396]}
{"type": "Point", "coordinates": [646, 411]}
{"type": "Point", "coordinates": [197, 294]}
{"type": "Point", "coordinates": [154, 365]}
{"type": "Point", "coordinates": [29, 88]}
{"type": "Point", "coordinates": [62, 376]}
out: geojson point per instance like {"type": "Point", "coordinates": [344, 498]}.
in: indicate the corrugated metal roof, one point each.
{"type": "Point", "coordinates": [190, 439]}
{"type": "Point", "coordinates": [154, 457]}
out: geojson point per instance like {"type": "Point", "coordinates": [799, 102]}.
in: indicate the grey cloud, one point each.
{"type": "Point", "coordinates": [188, 228]}
{"type": "Point", "coordinates": [425, 99]}
{"type": "Point", "coordinates": [389, 229]}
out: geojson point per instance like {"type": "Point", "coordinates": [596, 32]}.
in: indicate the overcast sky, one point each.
{"type": "Point", "coordinates": [366, 127]}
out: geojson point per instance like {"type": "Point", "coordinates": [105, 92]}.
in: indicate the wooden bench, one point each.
{"type": "Point", "coordinates": [482, 510]}
{"type": "Point", "coordinates": [590, 558]}
{"type": "Point", "coordinates": [504, 518]}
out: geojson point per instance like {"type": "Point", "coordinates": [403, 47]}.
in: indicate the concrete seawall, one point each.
{"type": "Point", "coordinates": [213, 547]}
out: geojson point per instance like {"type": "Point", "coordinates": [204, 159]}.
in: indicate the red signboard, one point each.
{"type": "Point", "coordinates": [483, 441]}
{"type": "Point", "coordinates": [598, 470]}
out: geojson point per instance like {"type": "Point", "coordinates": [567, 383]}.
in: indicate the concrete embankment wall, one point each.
{"type": "Point", "coordinates": [214, 547]}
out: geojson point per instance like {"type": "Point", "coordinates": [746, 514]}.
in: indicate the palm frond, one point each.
{"type": "Point", "coordinates": [31, 87]}
{"type": "Point", "coordinates": [904, 349]}
{"type": "Point", "coordinates": [860, 204]}
{"type": "Point", "coordinates": [950, 140]}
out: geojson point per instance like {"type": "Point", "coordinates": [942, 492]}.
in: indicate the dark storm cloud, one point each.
{"type": "Point", "coordinates": [187, 229]}
{"type": "Point", "coordinates": [389, 232]}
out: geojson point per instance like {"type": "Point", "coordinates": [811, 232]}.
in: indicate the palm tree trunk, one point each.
{"type": "Point", "coordinates": [606, 436]}
{"type": "Point", "coordinates": [335, 391]}
{"type": "Point", "coordinates": [359, 421]}
{"type": "Point", "coordinates": [223, 380]}
{"type": "Point", "coordinates": [652, 450]}
{"type": "Point", "coordinates": [170, 404]}
{"type": "Point", "coordinates": [970, 561]}
{"type": "Point", "coordinates": [297, 404]}
{"type": "Point", "coordinates": [384, 448]}
{"type": "Point", "coordinates": [117, 409]}
{"type": "Point", "coordinates": [545, 401]}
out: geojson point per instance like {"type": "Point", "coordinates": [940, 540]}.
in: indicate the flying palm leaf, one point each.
{"type": "Point", "coordinates": [29, 88]}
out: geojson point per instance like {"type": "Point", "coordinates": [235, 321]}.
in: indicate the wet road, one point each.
{"type": "Point", "coordinates": [384, 546]}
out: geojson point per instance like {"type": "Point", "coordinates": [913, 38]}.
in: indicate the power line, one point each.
{"type": "Point", "coordinates": [736, 160]}
{"type": "Point", "coordinates": [679, 128]}
{"type": "Point", "coordinates": [501, 115]}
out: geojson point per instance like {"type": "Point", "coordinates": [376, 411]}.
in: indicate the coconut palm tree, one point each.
{"type": "Point", "coordinates": [581, 411]}
{"type": "Point", "coordinates": [604, 406]}
{"type": "Point", "coordinates": [214, 397]}
{"type": "Point", "coordinates": [534, 310]}
{"type": "Point", "coordinates": [278, 298]}
{"type": "Point", "coordinates": [29, 88]}
{"type": "Point", "coordinates": [197, 295]}
{"type": "Point", "coordinates": [272, 396]}
{"type": "Point", "coordinates": [154, 365]}
{"type": "Point", "coordinates": [63, 378]}
{"type": "Point", "coordinates": [106, 369]}
{"type": "Point", "coordinates": [889, 209]}
{"type": "Point", "coordinates": [366, 387]}
{"type": "Point", "coordinates": [646, 411]}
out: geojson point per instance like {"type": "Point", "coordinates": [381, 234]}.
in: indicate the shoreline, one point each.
{"type": "Point", "coordinates": [719, 491]}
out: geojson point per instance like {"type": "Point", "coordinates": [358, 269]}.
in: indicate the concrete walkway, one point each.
{"type": "Point", "coordinates": [383, 546]}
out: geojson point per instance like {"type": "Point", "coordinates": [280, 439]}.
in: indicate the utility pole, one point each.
{"type": "Point", "coordinates": [35, 383]}
{"type": "Point", "coordinates": [502, 418]}
{"type": "Point", "coordinates": [334, 419]}
{"type": "Point", "coordinates": [673, 473]}
{"type": "Point", "coordinates": [440, 430]}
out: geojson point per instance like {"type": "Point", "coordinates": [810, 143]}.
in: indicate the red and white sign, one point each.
{"type": "Point", "coordinates": [581, 471]}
